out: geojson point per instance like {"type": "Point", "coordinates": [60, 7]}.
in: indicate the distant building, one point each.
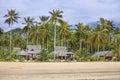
{"type": "Point", "coordinates": [104, 54]}
{"type": "Point", "coordinates": [31, 52]}
{"type": "Point", "coordinates": [63, 53]}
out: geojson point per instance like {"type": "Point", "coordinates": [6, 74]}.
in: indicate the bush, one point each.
{"type": "Point", "coordinates": [43, 55]}
{"type": "Point", "coordinates": [114, 58]}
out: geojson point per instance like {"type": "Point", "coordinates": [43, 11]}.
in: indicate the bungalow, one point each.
{"type": "Point", "coordinates": [62, 52]}
{"type": "Point", "coordinates": [104, 54]}
{"type": "Point", "coordinates": [31, 52]}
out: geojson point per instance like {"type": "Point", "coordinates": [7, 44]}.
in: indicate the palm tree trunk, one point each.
{"type": "Point", "coordinates": [98, 48]}
{"type": "Point", "coordinates": [10, 41]}
{"type": "Point", "coordinates": [26, 43]}
{"type": "Point", "coordinates": [54, 40]}
{"type": "Point", "coordinates": [37, 41]}
{"type": "Point", "coordinates": [62, 43]}
{"type": "Point", "coordinates": [80, 45]}
{"type": "Point", "coordinates": [47, 44]}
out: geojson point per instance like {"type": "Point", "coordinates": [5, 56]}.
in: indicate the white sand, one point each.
{"type": "Point", "coordinates": [60, 71]}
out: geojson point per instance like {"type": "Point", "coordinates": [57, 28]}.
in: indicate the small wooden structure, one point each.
{"type": "Point", "coordinates": [104, 54]}
{"type": "Point", "coordinates": [31, 52]}
{"type": "Point", "coordinates": [62, 52]}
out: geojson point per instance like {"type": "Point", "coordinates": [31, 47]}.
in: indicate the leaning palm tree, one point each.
{"type": "Point", "coordinates": [55, 18]}
{"type": "Point", "coordinates": [11, 17]}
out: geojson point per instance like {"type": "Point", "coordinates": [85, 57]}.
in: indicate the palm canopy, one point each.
{"type": "Point", "coordinates": [11, 17]}
{"type": "Point", "coordinates": [106, 24]}
{"type": "Point", "coordinates": [56, 16]}
{"type": "Point", "coordinates": [64, 30]}
{"type": "Point", "coordinates": [98, 36]}
{"type": "Point", "coordinates": [44, 18]}
{"type": "Point", "coordinates": [80, 30]}
{"type": "Point", "coordinates": [28, 21]}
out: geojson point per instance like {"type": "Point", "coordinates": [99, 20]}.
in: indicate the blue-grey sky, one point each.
{"type": "Point", "coordinates": [84, 11]}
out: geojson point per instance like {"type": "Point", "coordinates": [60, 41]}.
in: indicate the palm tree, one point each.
{"type": "Point", "coordinates": [98, 37]}
{"type": "Point", "coordinates": [80, 33]}
{"type": "Point", "coordinates": [44, 19]}
{"type": "Point", "coordinates": [35, 34]}
{"type": "Point", "coordinates": [18, 41]}
{"type": "Point", "coordinates": [28, 24]}
{"type": "Point", "coordinates": [108, 26]}
{"type": "Point", "coordinates": [11, 17]}
{"type": "Point", "coordinates": [116, 44]}
{"type": "Point", "coordinates": [1, 32]}
{"type": "Point", "coordinates": [45, 27]}
{"type": "Point", "coordinates": [55, 18]}
{"type": "Point", "coordinates": [64, 31]}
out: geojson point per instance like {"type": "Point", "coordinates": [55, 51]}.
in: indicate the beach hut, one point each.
{"type": "Point", "coordinates": [62, 52]}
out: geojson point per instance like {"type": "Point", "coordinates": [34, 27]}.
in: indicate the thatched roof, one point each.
{"type": "Point", "coordinates": [61, 51]}
{"type": "Point", "coordinates": [102, 53]}
{"type": "Point", "coordinates": [31, 49]}
{"type": "Point", "coordinates": [22, 53]}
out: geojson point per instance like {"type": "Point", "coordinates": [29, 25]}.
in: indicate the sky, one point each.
{"type": "Point", "coordinates": [74, 11]}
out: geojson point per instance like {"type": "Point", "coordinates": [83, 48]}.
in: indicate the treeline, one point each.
{"type": "Point", "coordinates": [51, 31]}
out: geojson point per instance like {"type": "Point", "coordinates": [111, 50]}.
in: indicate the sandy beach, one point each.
{"type": "Point", "coordinates": [60, 71]}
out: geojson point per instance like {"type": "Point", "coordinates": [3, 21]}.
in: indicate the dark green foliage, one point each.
{"type": "Point", "coordinates": [44, 56]}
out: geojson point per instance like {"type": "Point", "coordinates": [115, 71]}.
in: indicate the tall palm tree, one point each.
{"type": "Point", "coordinates": [108, 26]}
{"type": "Point", "coordinates": [55, 18]}
{"type": "Point", "coordinates": [1, 32]}
{"type": "Point", "coordinates": [116, 44]}
{"type": "Point", "coordinates": [36, 32]}
{"type": "Point", "coordinates": [80, 33]}
{"type": "Point", "coordinates": [98, 37]}
{"type": "Point", "coordinates": [28, 21]}
{"type": "Point", "coordinates": [18, 41]}
{"type": "Point", "coordinates": [45, 27]}
{"type": "Point", "coordinates": [11, 17]}
{"type": "Point", "coordinates": [44, 19]}
{"type": "Point", "coordinates": [64, 31]}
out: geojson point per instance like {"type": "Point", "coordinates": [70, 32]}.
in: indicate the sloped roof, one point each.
{"type": "Point", "coordinates": [22, 53]}
{"type": "Point", "coordinates": [102, 53]}
{"type": "Point", "coordinates": [61, 51]}
{"type": "Point", "coordinates": [33, 49]}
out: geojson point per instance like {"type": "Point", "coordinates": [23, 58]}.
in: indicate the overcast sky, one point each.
{"type": "Point", "coordinates": [84, 11]}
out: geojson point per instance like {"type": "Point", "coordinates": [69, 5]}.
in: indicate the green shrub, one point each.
{"type": "Point", "coordinates": [114, 58]}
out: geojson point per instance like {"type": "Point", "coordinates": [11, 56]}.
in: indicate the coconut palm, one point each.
{"type": "Point", "coordinates": [28, 24]}
{"type": "Point", "coordinates": [116, 44]}
{"type": "Point", "coordinates": [80, 33]}
{"type": "Point", "coordinates": [18, 41]}
{"type": "Point", "coordinates": [36, 32]}
{"type": "Point", "coordinates": [64, 31]}
{"type": "Point", "coordinates": [54, 19]}
{"type": "Point", "coordinates": [108, 26]}
{"type": "Point", "coordinates": [1, 32]}
{"type": "Point", "coordinates": [44, 19]}
{"type": "Point", "coordinates": [98, 37]}
{"type": "Point", "coordinates": [11, 17]}
{"type": "Point", "coordinates": [45, 27]}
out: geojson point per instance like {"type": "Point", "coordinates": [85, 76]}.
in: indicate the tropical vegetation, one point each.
{"type": "Point", "coordinates": [50, 31]}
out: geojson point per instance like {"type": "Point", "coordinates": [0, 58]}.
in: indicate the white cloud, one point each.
{"type": "Point", "coordinates": [74, 10]}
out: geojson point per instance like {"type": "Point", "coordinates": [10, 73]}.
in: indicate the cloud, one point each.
{"type": "Point", "coordinates": [75, 11]}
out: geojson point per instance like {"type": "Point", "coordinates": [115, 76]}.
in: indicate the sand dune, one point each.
{"type": "Point", "coordinates": [60, 71]}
